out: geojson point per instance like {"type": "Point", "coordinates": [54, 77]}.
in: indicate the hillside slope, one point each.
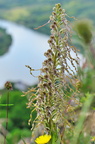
{"type": "Point", "coordinates": [35, 13]}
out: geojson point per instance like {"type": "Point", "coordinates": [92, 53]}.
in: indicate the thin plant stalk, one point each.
{"type": "Point", "coordinates": [8, 86]}
{"type": "Point", "coordinates": [7, 108]}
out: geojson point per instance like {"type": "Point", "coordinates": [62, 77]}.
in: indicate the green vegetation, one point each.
{"type": "Point", "coordinates": [18, 113]}
{"type": "Point", "coordinates": [35, 13]}
{"type": "Point", "coordinates": [18, 116]}
{"type": "Point", "coordinates": [64, 98]}
{"type": "Point", "coordinates": [5, 41]}
{"type": "Point", "coordinates": [83, 36]}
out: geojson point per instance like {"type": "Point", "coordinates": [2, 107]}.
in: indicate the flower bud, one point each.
{"type": "Point", "coordinates": [8, 85]}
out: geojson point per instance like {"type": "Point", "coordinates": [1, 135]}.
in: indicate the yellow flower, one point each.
{"type": "Point", "coordinates": [93, 138]}
{"type": "Point", "coordinates": [43, 139]}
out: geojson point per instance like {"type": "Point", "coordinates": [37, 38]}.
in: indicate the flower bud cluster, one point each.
{"type": "Point", "coordinates": [52, 98]}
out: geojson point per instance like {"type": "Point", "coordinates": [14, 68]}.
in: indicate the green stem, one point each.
{"type": "Point", "coordinates": [53, 131]}
{"type": "Point", "coordinates": [82, 118]}
{"type": "Point", "coordinates": [7, 108]}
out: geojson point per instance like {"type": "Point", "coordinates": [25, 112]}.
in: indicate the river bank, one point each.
{"type": "Point", "coordinates": [5, 41]}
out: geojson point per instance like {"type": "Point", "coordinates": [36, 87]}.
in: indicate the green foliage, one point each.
{"type": "Point", "coordinates": [35, 13]}
{"type": "Point", "coordinates": [58, 85]}
{"type": "Point", "coordinates": [83, 28]}
{"type": "Point", "coordinates": [83, 38]}
{"type": "Point", "coordinates": [88, 81]}
{"type": "Point", "coordinates": [18, 113]}
{"type": "Point", "coordinates": [5, 41]}
{"type": "Point", "coordinates": [78, 131]}
{"type": "Point", "coordinates": [48, 114]}
{"type": "Point", "coordinates": [55, 100]}
{"type": "Point", "coordinates": [18, 134]}
{"type": "Point", "coordinates": [84, 139]}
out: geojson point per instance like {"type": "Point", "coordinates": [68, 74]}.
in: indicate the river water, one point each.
{"type": "Point", "coordinates": [27, 48]}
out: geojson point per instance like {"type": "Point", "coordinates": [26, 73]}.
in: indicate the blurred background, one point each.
{"type": "Point", "coordinates": [21, 45]}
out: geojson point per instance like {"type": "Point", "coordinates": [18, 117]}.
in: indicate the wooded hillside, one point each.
{"type": "Point", "coordinates": [35, 13]}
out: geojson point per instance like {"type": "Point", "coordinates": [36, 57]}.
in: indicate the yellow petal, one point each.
{"type": "Point", "coordinates": [43, 139]}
